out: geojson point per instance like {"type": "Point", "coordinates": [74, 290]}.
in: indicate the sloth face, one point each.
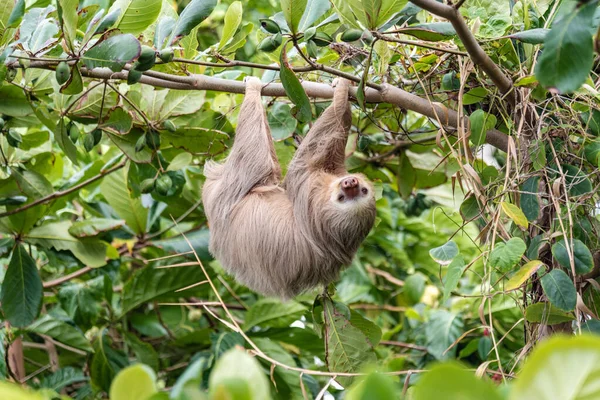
{"type": "Point", "coordinates": [351, 191]}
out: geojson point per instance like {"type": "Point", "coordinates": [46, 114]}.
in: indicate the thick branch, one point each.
{"type": "Point", "coordinates": [62, 193]}
{"type": "Point", "coordinates": [475, 51]}
{"type": "Point", "coordinates": [388, 93]}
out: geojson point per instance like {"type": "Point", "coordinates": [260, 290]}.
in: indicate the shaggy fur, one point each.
{"type": "Point", "coordinates": [281, 239]}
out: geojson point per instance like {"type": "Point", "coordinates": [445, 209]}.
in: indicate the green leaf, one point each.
{"type": "Point", "coordinates": [592, 152]}
{"type": "Point", "coordinates": [583, 260]}
{"type": "Point", "coordinates": [106, 362]}
{"type": "Point", "coordinates": [591, 121]}
{"type": "Point", "coordinates": [196, 140]}
{"type": "Point", "coordinates": [294, 90]}
{"type": "Point", "coordinates": [115, 190]}
{"type": "Point", "coordinates": [136, 15]}
{"type": "Point", "coordinates": [293, 11]}
{"type": "Point", "coordinates": [576, 181]}
{"type": "Point", "coordinates": [287, 381]}
{"type": "Point", "coordinates": [282, 126]}
{"type": "Point", "coordinates": [348, 348]}
{"type": "Point", "coordinates": [431, 32]}
{"type": "Point", "coordinates": [33, 185]}
{"type": "Point", "coordinates": [149, 283]}
{"type": "Point", "coordinates": [314, 10]}
{"type": "Point", "coordinates": [180, 161]}
{"type": "Point", "coordinates": [481, 122]}
{"type": "Point", "coordinates": [532, 36]}
{"type": "Point", "coordinates": [521, 276]}
{"type": "Point", "coordinates": [515, 214]}
{"type": "Point", "coordinates": [456, 383]}
{"type": "Point", "coordinates": [195, 12]}
{"type": "Point", "coordinates": [543, 375]}
{"type": "Point", "coordinates": [445, 253]}
{"type": "Point", "coordinates": [113, 52]}
{"type": "Point", "coordinates": [144, 352]}
{"type": "Point", "coordinates": [453, 275]}
{"type": "Point", "coordinates": [273, 313]}
{"type": "Point", "coordinates": [414, 287]}
{"type": "Point", "coordinates": [469, 209]}
{"type": "Point", "coordinates": [559, 289]}
{"type": "Point", "coordinates": [91, 252]}
{"type": "Point", "coordinates": [237, 375]}
{"type": "Point", "coordinates": [13, 102]}
{"type": "Point", "coordinates": [529, 198]}
{"type": "Point", "coordinates": [62, 378]}
{"type": "Point", "coordinates": [547, 314]}
{"type": "Point", "coordinates": [374, 386]}
{"type": "Point", "coordinates": [442, 330]}
{"type": "Point", "coordinates": [568, 52]}
{"type": "Point", "coordinates": [61, 331]}
{"type": "Point", "coordinates": [474, 96]}
{"type": "Point", "coordinates": [371, 9]}
{"type": "Point", "coordinates": [117, 122]}
{"type": "Point", "coordinates": [16, 14]}
{"type": "Point", "coordinates": [178, 244]}
{"type": "Point", "coordinates": [22, 292]}
{"type": "Point", "coordinates": [138, 381]}
{"type": "Point", "coordinates": [67, 16]}
{"type": "Point", "coordinates": [94, 226]}
{"type": "Point", "coordinates": [506, 255]}
{"type": "Point", "coordinates": [233, 19]}
{"type": "Point", "coordinates": [13, 391]}
{"type": "Point", "coordinates": [388, 10]}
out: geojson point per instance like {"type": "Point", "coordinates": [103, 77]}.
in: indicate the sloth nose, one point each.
{"type": "Point", "coordinates": [350, 187]}
{"type": "Point", "coordinates": [349, 183]}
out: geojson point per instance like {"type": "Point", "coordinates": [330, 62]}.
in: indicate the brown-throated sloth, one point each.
{"type": "Point", "coordinates": [282, 239]}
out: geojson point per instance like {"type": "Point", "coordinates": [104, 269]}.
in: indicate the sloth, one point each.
{"type": "Point", "coordinates": [284, 238]}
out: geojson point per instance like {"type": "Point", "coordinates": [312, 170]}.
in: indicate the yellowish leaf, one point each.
{"type": "Point", "coordinates": [521, 276]}
{"type": "Point", "coordinates": [515, 214]}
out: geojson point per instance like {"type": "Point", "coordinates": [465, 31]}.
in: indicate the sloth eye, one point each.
{"type": "Point", "coordinates": [365, 191]}
{"type": "Point", "coordinates": [341, 197]}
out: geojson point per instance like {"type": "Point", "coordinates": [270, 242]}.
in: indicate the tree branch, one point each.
{"type": "Point", "coordinates": [475, 51]}
{"type": "Point", "coordinates": [62, 193]}
{"type": "Point", "coordinates": [373, 94]}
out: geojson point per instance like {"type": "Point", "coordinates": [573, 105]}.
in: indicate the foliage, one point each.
{"type": "Point", "coordinates": [477, 120]}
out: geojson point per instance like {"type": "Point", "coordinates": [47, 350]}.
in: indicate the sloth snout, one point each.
{"type": "Point", "coordinates": [349, 183]}
{"type": "Point", "coordinates": [350, 187]}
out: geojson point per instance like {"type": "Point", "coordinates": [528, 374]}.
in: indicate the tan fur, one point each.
{"type": "Point", "coordinates": [283, 238]}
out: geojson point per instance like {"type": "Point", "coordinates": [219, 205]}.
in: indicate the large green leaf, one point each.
{"type": "Point", "coordinates": [583, 260]}
{"type": "Point", "coordinates": [282, 126]}
{"type": "Point", "coordinates": [315, 9]}
{"type": "Point", "coordinates": [116, 191]}
{"type": "Point", "coordinates": [456, 383]}
{"type": "Point", "coordinates": [138, 381]}
{"type": "Point", "coordinates": [22, 292]}
{"type": "Point", "coordinates": [149, 283]}
{"type": "Point", "coordinates": [506, 255]}
{"type": "Point", "coordinates": [294, 90]}
{"type": "Point", "coordinates": [94, 226]}
{"type": "Point", "coordinates": [237, 375]}
{"type": "Point", "coordinates": [568, 51]}
{"type": "Point", "coordinates": [273, 313]}
{"type": "Point", "coordinates": [91, 252]}
{"type": "Point", "coordinates": [374, 386]}
{"type": "Point", "coordinates": [480, 123]}
{"type": "Point", "coordinates": [348, 346]}
{"type": "Point", "coordinates": [445, 253]}
{"type": "Point", "coordinates": [293, 11]}
{"type": "Point", "coordinates": [106, 362]}
{"type": "Point", "coordinates": [559, 289]}
{"type": "Point", "coordinates": [113, 52]}
{"type": "Point", "coordinates": [13, 102]}
{"type": "Point", "coordinates": [453, 275]}
{"type": "Point", "coordinates": [136, 15]}
{"type": "Point", "coordinates": [532, 36]}
{"type": "Point", "coordinates": [529, 198]}
{"type": "Point", "coordinates": [442, 330]}
{"type": "Point", "coordinates": [61, 331]}
{"type": "Point", "coordinates": [576, 180]}
{"type": "Point", "coordinates": [431, 32]}
{"type": "Point", "coordinates": [195, 12]}
{"type": "Point", "coordinates": [547, 314]}
{"type": "Point", "coordinates": [544, 375]}
{"type": "Point", "coordinates": [233, 19]}
{"type": "Point", "coordinates": [67, 13]}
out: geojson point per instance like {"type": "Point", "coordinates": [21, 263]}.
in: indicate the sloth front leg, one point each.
{"type": "Point", "coordinates": [252, 161]}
